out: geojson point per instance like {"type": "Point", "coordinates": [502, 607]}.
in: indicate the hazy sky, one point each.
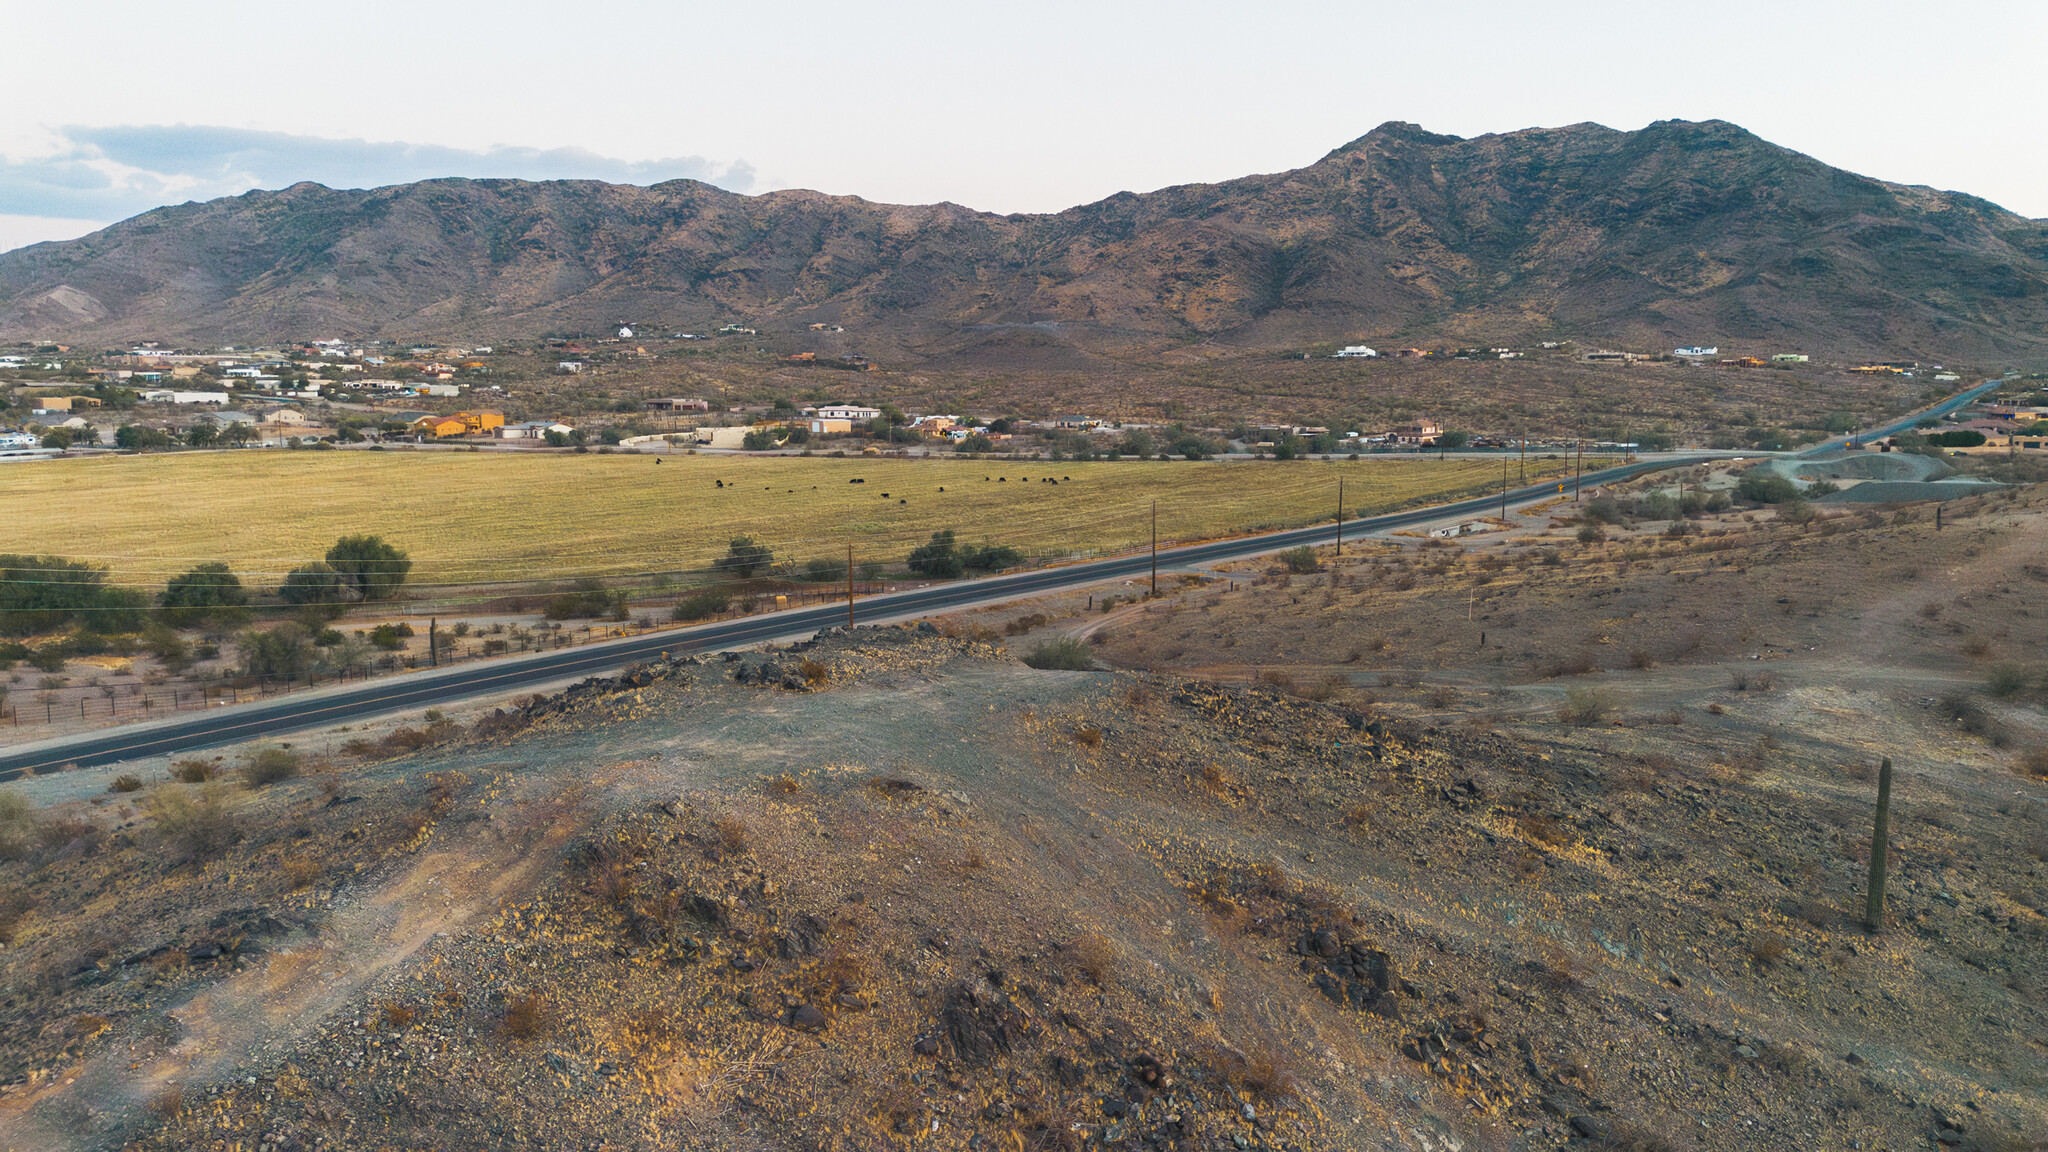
{"type": "Point", "coordinates": [112, 107]}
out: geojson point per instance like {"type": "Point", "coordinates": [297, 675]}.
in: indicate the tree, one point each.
{"type": "Point", "coordinates": [1137, 442]}
{"type": "Point", "coordinates": [557, 439]}
{"type": "Point", "coordinates": [758, 440]}
{"type": "Point", "coordinates": [201, 435]}
{"type": "Point", "coordinates": [370, 569]}
{"type": "Point", "coordinates": [1454, 439]}
{"type": "Point", "coordinates": [975, 443]}
{"type": "Point", "coordinates": [1193, 447]}
{"type": "Point", "coordinates": [992, 557]}
{"type": "Point", "coordinates": [238, 433]}
{"type": "Point", "coordinates": [314, 583]}
{"type": "Point", "coordinates": [940, 558]}
{"type": "Point", "coordinates": [208, 590]}
{"type": "Point", "coordinates": [40, 593]}
{"type": "Point", "coordinates": [1287, 447]}
{"type": "Point", "coordinates": [59, 438]}
{"type": "Point", "coordinates": [743, 557]}
{"type": "Point", "coordinates": [136, 438]}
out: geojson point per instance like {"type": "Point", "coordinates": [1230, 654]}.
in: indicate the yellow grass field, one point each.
{"type": "Point", "coordinates": [477, 517]}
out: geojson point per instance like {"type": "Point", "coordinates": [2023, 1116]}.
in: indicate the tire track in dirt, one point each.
{"type": "Point", "coordinates": [447, 886]}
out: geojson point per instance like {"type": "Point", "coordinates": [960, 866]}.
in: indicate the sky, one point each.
{"type": "Point", "coordinates": [112, 107]}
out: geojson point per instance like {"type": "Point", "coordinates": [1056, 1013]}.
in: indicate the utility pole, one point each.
{"type": "Point", "coordinates": [1503, 488]}
{"type": "Point", "coordinates": [434, 641]}
{"type": "Point", "coordinates": [1523, 467]}
{"type": "Point", "coordinates": [1579, 468]}
{"type": "Point", "coordinates": [1340, 516]}
{"type": "Point", "coordinates": [849, 583]}
{"type": "Point", "coordinates": [1155, 547]}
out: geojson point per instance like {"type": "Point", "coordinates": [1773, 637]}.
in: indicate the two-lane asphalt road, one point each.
{"type": "Point", "coordinates": [345, 703]}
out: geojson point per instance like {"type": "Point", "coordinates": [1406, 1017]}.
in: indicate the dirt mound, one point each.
{"type": "Point", "coordinates": [923, 896]}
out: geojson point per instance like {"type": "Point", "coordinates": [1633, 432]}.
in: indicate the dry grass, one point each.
{"type": "Point", "coordinates": [397, 1015]}
{"type": "Point", "coordinates": [1089, 737]}
{"type": "Point", "coordinates": [783, 785]}
{"type": "Point", "coordinates": [1093, 955]}
{"type": "Point", "coordinates": [733, 834]}
{"type": "Point", "coordinates": [300, 871]}
{"type": "Point", "coordinates": [603, 514]}
{"type": "Point", "coordinates": [814, 673]}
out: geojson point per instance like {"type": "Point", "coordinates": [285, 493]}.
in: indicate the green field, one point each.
{"type": "Point", "coordinates": [484, 517]}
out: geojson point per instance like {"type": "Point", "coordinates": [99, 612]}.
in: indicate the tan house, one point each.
{"type": "Point", "coordinates": [459, 424]}
{"type": "Point", "coordinates": [1424, 433]}
{"type": "Point", "coordinates": [66, 403]}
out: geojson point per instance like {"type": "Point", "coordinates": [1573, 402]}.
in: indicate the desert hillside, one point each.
{"type": "Point", "coordinates": [1678, 233]}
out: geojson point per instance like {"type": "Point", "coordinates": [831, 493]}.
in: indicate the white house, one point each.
{"type": "Point", "coordinates": [848, 412]}
{"type": "Point", "coordinates": [13, 362]}
{"type": "Point", "coordinates": [438, 389]}
{"type": "Point", "coordinates": [569, 366]}
{"type": "Point", "coordinates": [532, 430]}
{"type": "Point", "coordinates": [1694, 353]}
{"type": "Point", "coordinates": [244, 370]}
{"type": "Point", "coordinates": [9, 440]}
{"type": "Point", "coordinates": [1356, 351]}
{"type": "Point", "coordinates": [625, 332]}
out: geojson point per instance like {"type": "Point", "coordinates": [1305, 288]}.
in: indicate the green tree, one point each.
{"type": "Point", "coordinates": [744, 557]}
{"type": "Point", "coordinates": [202, 435]}
{"type": "Point", "coordinates": [940, 558]}
{"type": "Point", "coordinates": [314, 583]}
{"type": "Point", "coordinates": [137, 438]}
{"type": "Point", "coordinates": [370, 569]}
{"type": "Point", "coordinates": [758, 440]}
{"type": "Point", "coordinates": [208, 590]}
{"type": "Point", "coordinates": [1454, 439]}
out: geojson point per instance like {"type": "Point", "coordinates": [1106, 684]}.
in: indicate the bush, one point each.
{"type": "Point", "coordinates": [744, 557]}
{"type": "Point", "coordinates": [589, 598]}
{"type": "Point", "coordinates": [41, 593]}
{"type": "Point", "coordinates": [700, 604]}
{"type": "Point", "coordinates": [1582, 708]}
{"type": "Point", "coordinates": [281, 653]}
{"type": "Point", "coordinates": [270, 766]}
{"type": "Point", "coordinates": [991, 557]}
{"type": "Point", "coordinates": [1063, 655]}
{"type": "Point", "coordinates": [1300, 559]}
{"type": "Point", "coordinates": [193, 771]}
{"type": "Point", "coordinates": [1591, 534]}
{"type": "Point", "coordinates": [825, 571]}
{"type": "Point", "coordinates": [126, 782]}
{"type": "Point", "coordinates": [201, 827]}
{"type": "Point", "coordinates": [2006, 680]}
{"type": "Point", "coordinates": [390, 637]}
{"type": "Point", "coordinates": [1760, 487]}
{"type": "Point", "coordinates": [17, 825]}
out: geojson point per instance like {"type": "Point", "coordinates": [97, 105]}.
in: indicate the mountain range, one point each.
{"type": "Point", "coordinates": [1679, 233]}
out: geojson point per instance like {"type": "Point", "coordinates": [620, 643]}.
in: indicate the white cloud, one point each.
{"type": "Point", "coordinates": [117, 171]}
{"type": "Point", "coordinates": [22, 231]}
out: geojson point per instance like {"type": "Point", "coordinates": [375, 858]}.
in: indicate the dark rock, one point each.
{"type": "Point", "coordinates": [1114, 1106]}
{"type": "Point", "coordinates": [806, 1018]}
{"type": "Point", "coordinates": [1325, 944]}
{"type": "Point", "coordinates": [1592, 1127]}
{"type": "Point", "coordinates": [997, 1110]}
{"type": "Point", "coordinates": [1330, 987]}
{"type": "Point", "coordinates": [926, 1046]}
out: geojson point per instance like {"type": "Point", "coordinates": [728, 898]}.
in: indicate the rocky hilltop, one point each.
{"type": "Point", "coordinates": [1678, 232]}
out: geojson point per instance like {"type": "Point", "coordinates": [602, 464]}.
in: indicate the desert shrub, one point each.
{"type": "Point", "coordinates": [1299, 560]}
{"type": "Point", "coordinates": [732, 834]}
{"type": "Point", "coordinates": [269, 767]}
{"type": "Point", "coordinates": [2034, 763]}
{"type": "Point", "coordinates": [300, 871]}
{"type": "Point", "coordinates": [2006, 680]}
{"type": "Point", "coordinates": [1766, 949]}
{"type": "Point", "coordinates": [1266, 1072]}
{"type": "Point", "coordinates": [17, 825]}
{"type": "Point", "coordinates": [1578, 664]}
{"type": "Point", "coordinates": [1089, 737]}
{"type": "Point", "coordinates": [783, 785]}
{"type": "Point", "coordinates": [1062, 655]}
{"type": "Point", "coordinates": [1543, 830]}
{"type": "Point", "coordinates": [1582, 708]}
{"type": "Point", "coordinates": [199, 827]}
{"type": "Point", "coordinates": [397, 1015]}
{"type": "Point", "coordinates": [1217, 781]}
{"type": "Point", "coordinates": [813, 672]}
{"type": "Point", "coordinates": [1093, 955]}
{"type": "Point", "coordinates": [700, 604]}
{"type": "Point", "coordinates": [15, 905]}
{"type": "Point", "coordinates": [1591, 534]}
{"type": "Point", "coordinates": [1762, 487]}
{"type": "Point", "coordinates": [126, 782]}
{"type": "Point", "coordinates": [525, 1017]}
{"type": "Point", "coordinates": [1968, 715]}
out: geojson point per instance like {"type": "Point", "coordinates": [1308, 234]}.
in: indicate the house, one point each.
{"type": "Point", "coordinates": [821, 426]}
{"type": "Point", "coordinates": [736, 330]}
{"type": "Point", "coordinates": [848, 412]}
{"type": "Point", "coordinates": [532, 430]}
{"type": "Point", "coordinates": [935, 425]}
{"type": "Point", "coordinates": [1411, 354]}
{"type": "Point", "coordinates": [677, 404]}
{"type": "Point", "coordinates": [1356, 351]}
{"type": "Point", "coordinates": [438, 389]}
{"type": "Point", "coordinates": [1696, 352]}
{"type": "Point", "coordinates": [244, 371]}
{"type": "Point", "coordinates": [13, 362]}
{"type": "Point", "coordinates": [1082, 422]}
{"type": "Point", "coordinates": [65, 403]}
{"type": "Point", "coordinates": [625, 332]}
{"type": "Point", "coordinates": [1422, 433]}
{"type": "Point", "coordinates": [1788, 357]}
{"type": "Point", "coordinates": [1605, 356]}
{"type": "Point", "coordinates": [569, 366]}
{"type": "Point", "coordinates": [13, 440]}
{"type": "Point", "coordinates": [459, 424]}
{"type": "Point", "coordinates": [826, 328]}
{"type": "Point", "coordinates": [1947, 377]}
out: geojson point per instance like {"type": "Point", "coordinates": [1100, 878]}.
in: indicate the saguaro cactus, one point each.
{"type": "Point", "coordinates": [1873, 911]}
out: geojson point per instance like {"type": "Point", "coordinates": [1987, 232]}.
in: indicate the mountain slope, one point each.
{"type": "Point", "coordinates": [1678, 232]}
